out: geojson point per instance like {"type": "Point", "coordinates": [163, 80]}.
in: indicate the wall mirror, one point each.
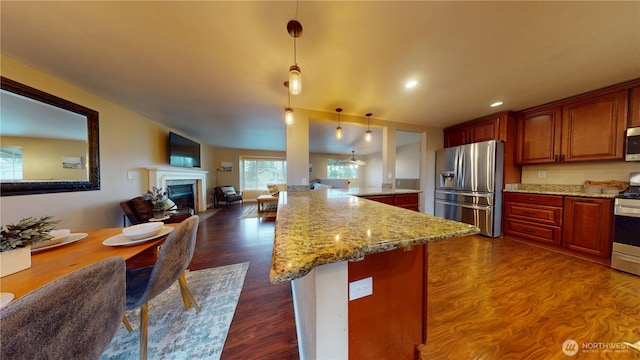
{"type": "Point", "coordinates": [47, 144]}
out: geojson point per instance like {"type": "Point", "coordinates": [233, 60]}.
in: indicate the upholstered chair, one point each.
{"type": "Point", "coordinates": [226, 193]}
{"type": "Point", "coordinates": [73, 317]}
{"type": "Point", "coordinates": [143, 284]}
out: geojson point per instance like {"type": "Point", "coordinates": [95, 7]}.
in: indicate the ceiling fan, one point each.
{"type": "Point", "coordinates": [353, 160]}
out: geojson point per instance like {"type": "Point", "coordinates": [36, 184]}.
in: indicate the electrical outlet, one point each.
{"type": "Point", "coordinates": [542, 174]}
{"type": "Point", "coordinates": [360, 288]}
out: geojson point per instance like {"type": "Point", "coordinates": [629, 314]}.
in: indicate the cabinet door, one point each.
{"type": "Point", "coordinates": [634, 112]}
{"type": "Point", "coordinates": [455, 136]}
{"type": "Point", "coordinates": [485, 130]}
{"type": "Point", "coordinates": [593, 128]}
{"type": "Point", "coordinates": [538, 136]}
{"type": "Point", "coordinates": [588, 225]}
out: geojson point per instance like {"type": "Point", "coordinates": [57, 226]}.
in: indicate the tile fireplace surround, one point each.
{"type": "Point", "coordinates": [158, 177]}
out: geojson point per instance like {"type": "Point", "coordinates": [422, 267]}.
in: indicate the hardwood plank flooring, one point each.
{"type": "Point", "coordinates": [263, 326]}
{"type": "Point", "coordinates": [501, 299]}
{"type": "Point", "coordinates": [488, 299]}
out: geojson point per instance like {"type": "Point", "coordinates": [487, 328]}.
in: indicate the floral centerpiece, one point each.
{"type": "Point", "coordinates": [26, 232]}
{"type": "Point", "coordinates": [158, 197]}
{"type": "Point", "coordinates": [19, 238]}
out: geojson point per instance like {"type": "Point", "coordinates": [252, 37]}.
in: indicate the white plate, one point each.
{"type": "Point", "coordinates": [5, 298]}
{"type": "Point", "coordinates": [121, 240]}
{"type": "Point", "coordinates": [73, 237]}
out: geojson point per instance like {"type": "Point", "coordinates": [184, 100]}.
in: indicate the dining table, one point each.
{"type": "Point", "coordinates": [50, 264]}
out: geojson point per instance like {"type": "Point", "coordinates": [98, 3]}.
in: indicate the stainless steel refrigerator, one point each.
{"type": "Point", "coordinates": [469, 185]}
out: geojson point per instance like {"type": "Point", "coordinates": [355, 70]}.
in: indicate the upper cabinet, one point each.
{"type": "Point", "coordinates": [634, 107]}
{"type": "Point", "coordinates": [491, 127]}
{"type": "Point", "coordinates": [584, 128]}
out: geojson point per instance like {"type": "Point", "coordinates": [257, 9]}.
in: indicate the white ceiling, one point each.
{"type": "Point", "coordinates": [214, 69]}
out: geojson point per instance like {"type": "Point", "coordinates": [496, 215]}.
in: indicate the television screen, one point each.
{"type": "Point", "coordinates": [183, 152]}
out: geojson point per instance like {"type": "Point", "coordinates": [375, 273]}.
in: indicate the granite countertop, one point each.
{"type": "Point", "coordinates": [356, 191]}
{"type": "Point", "coordinates": [327, 226]}
{"type": "Point", "coordinates": [552, 189]}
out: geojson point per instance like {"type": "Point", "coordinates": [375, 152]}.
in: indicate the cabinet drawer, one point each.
{"type": "Point", "coordinates": [385, 199]}
{"type": "Point", "coordinates": [405, 199]}
{"type": "Point", "coordinates": [550, 200]}
{"type": "Point", "coordinates": [539, 213]}
{"type": "Point", "coordinates": [414, 207]}
{"type": "Point", "coordinates": [539, 232]}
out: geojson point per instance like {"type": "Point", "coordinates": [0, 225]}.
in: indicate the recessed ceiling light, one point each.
{"type": "Point", "coordinates": [496, 104]}
{"type": "Point", "coordinates": [411, 84]}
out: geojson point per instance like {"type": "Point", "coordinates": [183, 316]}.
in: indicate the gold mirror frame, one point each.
{"type": "Point", "coordinates": [93, 156]}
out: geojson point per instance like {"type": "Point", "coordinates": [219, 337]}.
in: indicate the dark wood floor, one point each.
{"type": "Point", "coordinates": [263, 326]}
{"type": "Point", "coordinates": [488, 298]}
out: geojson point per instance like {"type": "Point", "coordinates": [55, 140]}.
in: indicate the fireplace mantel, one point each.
{"type": "Point", "coordinates": [158, 177]}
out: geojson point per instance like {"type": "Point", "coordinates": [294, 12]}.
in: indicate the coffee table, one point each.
{"type": "Point", "coordinates": [265, 199]}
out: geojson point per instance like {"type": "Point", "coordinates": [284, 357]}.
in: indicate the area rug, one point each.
{"type": "Point", "coordinates": [271, 210]}
{"type": "Point", "coordinates": [204, 215]}
{"type": "Point", "coordinates": [176, 333]}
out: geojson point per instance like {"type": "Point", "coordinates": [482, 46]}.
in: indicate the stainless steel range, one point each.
{"type": "Point", "coordinates": [626, 236]}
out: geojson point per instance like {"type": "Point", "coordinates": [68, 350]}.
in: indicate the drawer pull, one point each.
{"type": "Point", "coordinates": [528, 230]}
{"type": "Point", "coordinates": [529, 199]}
{"type": "Point", "coordinates": [529, 212]}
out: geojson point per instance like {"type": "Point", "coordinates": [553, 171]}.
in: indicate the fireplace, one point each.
{"type": "Point", "coordinates": [181, 195]}
{"type": "Point", "coordinates": [169, 176]}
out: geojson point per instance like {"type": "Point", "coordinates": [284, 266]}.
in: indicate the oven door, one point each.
{"type": "Point", "coordinates": [626, 241]}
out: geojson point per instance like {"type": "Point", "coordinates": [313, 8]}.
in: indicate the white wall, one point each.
{"type": "Point", "coordinates": [129, 142]}
{"type": "Point", "coordinates": [408, 161]}
{"type": "Point", "coordinates": [577, 173]}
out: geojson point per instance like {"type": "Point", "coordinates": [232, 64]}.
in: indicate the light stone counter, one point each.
{"type": "Point", "coordinates": [378, 191]}
{"type": "Point", "coordinates": [552, 189]}
{"type": "Point", "coordinates": [320, 227]}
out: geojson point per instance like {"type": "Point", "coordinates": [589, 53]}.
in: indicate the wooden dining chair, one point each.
{"type": "Point", "coordinates": [73, 317]}
{"type": "Point", "coordinates": [144, 284]}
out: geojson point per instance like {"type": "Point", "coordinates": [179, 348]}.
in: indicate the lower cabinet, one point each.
{"type": "Point", "coordinates": [406, 201]}
{"type": "Point", "coordinates": [588, 225]}
{"type": "Point", "coordinates": [577, 225]}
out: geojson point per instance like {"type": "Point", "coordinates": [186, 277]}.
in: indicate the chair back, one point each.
{"type": "Point", "coordinates": [73, 317]}
{"type": "Point", "coordinates": [174, 258]}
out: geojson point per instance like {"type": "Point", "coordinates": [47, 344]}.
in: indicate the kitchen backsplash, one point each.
{"type": "Point", "coordinates": [577, 173]}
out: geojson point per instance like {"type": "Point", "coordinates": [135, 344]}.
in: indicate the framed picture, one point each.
{"type": "Point", "coordinates": [226, 166]}
{"type": "Point", "coordinates": [72, 162]}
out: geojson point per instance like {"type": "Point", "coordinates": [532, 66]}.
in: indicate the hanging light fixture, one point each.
{"type": "Point", "coordinates": [367, 134]}
{"type": "Point", "coordinates": [288, 111]}
{"type": "Point", "coordinates": [294, 28]}
{"type": "Point", "coordinates": [339, 129]}
{"type": "Point", "coordinates": [352, 161]}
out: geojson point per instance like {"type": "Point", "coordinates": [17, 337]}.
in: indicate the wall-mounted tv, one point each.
{"type": "Point", "coordinates": [183, 152]}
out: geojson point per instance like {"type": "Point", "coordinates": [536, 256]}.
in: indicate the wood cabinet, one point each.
{"type": "Point", "coordinates": [588, 225]}
{"type": "Point", "coordinates": [500, 126]}
{"type": "Point", "coordinates": [538, 135]}
{"type": "Point", "coordinates": [407, 201]}
{"type": "Point", "coordinates": [634, 107]}
{"type": "Point", "coordinates": [491, 127]}
{"type": "Point", "coordinates": [584, 128]}
{"type": "Point", "coordinates": [580, 226]}
{"type": "Point", "coordinates": [533, 217]}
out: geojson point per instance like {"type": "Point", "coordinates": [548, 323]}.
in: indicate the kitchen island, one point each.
{"type": "Point", "coordinates": [358, 272]}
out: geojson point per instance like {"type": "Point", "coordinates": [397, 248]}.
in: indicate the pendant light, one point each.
{"type": "Point", "coordinates": [339, 129]}
{"type": "Point", "coordinates": [288, 111]}
{"type": "Point", "coordinates": [367, 134]}
{"type": "Point", "coordinates": [294, 28]}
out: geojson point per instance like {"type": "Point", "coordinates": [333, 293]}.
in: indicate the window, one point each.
{"type": "Point", "coordinates": [11, 163]}
{"type": "Point", "coordinates": [338, 171]}
{"type": "Point", "coordinates": [256, 173]}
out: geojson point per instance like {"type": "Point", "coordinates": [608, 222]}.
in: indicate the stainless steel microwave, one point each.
{"type": "Point", "coordinates": [633, 144]}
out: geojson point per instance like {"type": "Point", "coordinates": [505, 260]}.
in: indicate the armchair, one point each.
{"type": "Point", "coordinates": [140, 210]}
{"type": "Point", "coordinates": [227, 194]}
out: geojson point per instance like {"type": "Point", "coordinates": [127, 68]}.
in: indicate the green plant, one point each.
{"type": "Point", "coordinates": [158, 198]}
{"type": "Point", "coordinates": [26, 232]}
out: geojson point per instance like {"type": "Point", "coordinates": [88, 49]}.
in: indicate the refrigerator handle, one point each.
{"type": "Point", "coordinates": [460, 164]}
